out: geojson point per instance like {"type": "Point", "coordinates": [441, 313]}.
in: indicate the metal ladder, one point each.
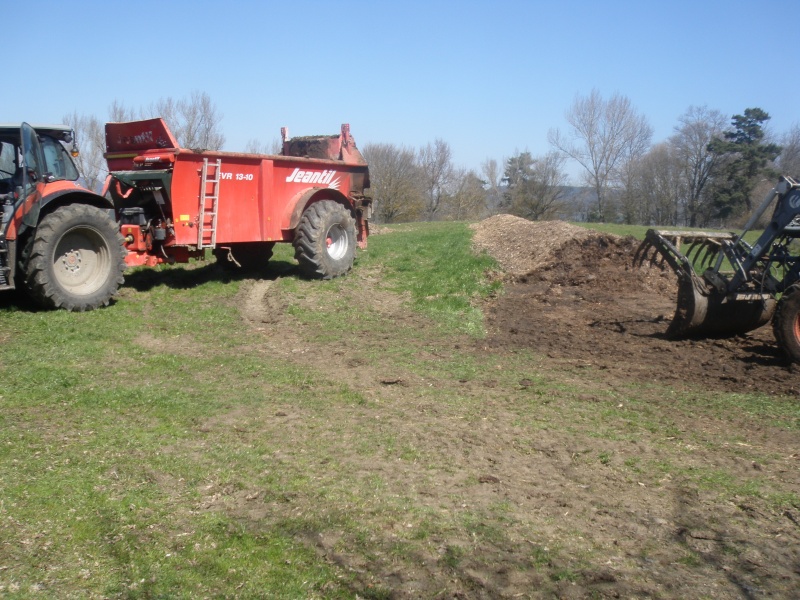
{"type": "Point", "coordinates": [209, 202]}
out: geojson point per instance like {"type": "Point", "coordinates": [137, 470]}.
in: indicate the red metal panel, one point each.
{"type": "Point", "coordinates": [239, 214]}
{"type": "Point", "coordinates": [291, 177]}
{"type": "Point", "coordinates": [124, 141]}
{"type": "Point", "coordinates": [239, 207]}
{"type": "Point", "coordinates": [271, 231]}
{"type": "Point", "coordinates": [136, 136]}
{"type": "Point", "coordinates": [185, 198]}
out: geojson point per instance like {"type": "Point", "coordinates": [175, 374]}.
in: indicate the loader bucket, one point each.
{"type": "Point", "coordinates": [702, 309]}
{"type": "Point", "coordinates": [703, 313]}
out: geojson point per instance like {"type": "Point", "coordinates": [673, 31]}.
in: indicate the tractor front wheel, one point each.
{"type": "Point", "coordinates": [325, 240]}
{"type": "Point", "coordinates": [786, 323]}
{"type": "Point", "coordinates": [76, 259]}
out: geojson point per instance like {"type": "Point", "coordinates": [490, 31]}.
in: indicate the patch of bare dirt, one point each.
{"type": "Point", "coordinates": [176, 344]}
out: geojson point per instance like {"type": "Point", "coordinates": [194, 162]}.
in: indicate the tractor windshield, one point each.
{"type": "Point", "coordinates": [58, 163]}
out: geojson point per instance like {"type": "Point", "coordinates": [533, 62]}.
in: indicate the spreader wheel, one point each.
{"type": "Point", "coordinates": [76, 259]}
{"type": "Point", "coordinates": [786, 323]}
{"type": "Point", "coordinates": [325, 241]}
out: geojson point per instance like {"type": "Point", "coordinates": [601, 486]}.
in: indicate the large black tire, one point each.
{"type": "Point", "coordinates": [250, 256]}
{"type": "Point", "coordinates": [325, 240]}
{"type": "Point", "coordinates": [76, 259]}
{"type": "Point", "coordinates": [786, 323]}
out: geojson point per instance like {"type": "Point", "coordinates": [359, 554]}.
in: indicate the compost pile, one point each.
{"type": "Point", "coordinates": [575, 296]}
{"type": "Point", "coordinates": [522, 246]}
{"type": "Point", "coordinates": [565, 254]}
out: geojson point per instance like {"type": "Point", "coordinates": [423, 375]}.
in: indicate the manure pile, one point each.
{"type": "Point", "coordinates": [522, 246]}
{"type": "Point", "coordinates": [567, 255]}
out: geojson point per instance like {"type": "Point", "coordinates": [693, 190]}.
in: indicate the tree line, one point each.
{"type": "Point", "coordinates": [707, 173]}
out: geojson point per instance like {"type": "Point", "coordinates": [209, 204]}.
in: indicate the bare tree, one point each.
{"type": "Point", "coordinates": [603, 137]}
{"type": "Point", "coordinates": [200, 122]}
{"type": "Point", "coordinates": [535, 185]}
{"type": "Point", "coordinates": [255, 146]}
{"type": "Point", "coordinates": [550, 182]}
{"type": "Point", "coordinates": [468, 199]}
{"type": "Point", "coordinates": [90, 140]}
{"type": "Point", "coordinates": [490, 170]}
{"type": "Point", "coordinates": [436, 170]}
{"type": "Point", "coordinates": [789, 160]}
{"type": "Point", "coordinates": [697, 127]}
{"type": "Point", "coordinates": [119, 113]}
{"type": "Point", "coordinates": [394, 182]}
{"type": "Point", "coordinates": [195, 121]}
{"type": "Point", "coordinates": [655, 188]}
{"type": "Point", "coordinates": [167, 109]}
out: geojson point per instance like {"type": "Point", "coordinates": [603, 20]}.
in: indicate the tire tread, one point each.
{"type": "Point", "coordinates": [42, 287]}
{"type": "Point", "coordinates": [783, 323]}
{"type": "Point", "coordinates": [309, 243]}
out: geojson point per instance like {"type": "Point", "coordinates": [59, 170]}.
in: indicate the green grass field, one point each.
{"type": "Point", "coordinates": [165, 447]}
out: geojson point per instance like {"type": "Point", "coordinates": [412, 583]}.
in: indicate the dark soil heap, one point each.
{"type": "Point", "coordinates": [576, 296]}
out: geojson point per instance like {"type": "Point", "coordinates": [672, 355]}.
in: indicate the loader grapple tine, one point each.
{"type": "Point", "coordinates": [695, 248]}
{"type": "Point", "coordinates": [641, 253]}
{"type": "Point", "coordinates": [648, 252]}
{"type": "Point", "coordinates": [664, 249]}
{"type": "Point", "coordinates": [703, 248]}
{"type": "Point", "coordinates": [712, 250]}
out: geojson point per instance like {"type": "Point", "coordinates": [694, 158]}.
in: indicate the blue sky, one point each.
{"type": "Point", "coordinates": [490, 78]}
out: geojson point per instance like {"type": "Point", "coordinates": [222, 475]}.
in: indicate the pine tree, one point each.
{"type": "Point", "coordinates": [745, 158]}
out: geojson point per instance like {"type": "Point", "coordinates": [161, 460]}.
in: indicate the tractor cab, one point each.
{"type": "Point", "coordinates": [29, 157]}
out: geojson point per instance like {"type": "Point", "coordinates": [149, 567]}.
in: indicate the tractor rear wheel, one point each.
{"type": "Point", "coordinates": [786, 324]}
{"type": "Point", "coordinates": [244, 256]}
{"type": "Point", "coordinates": [76, 259]}
{"type": "Point", "coordinates": [325, 240]}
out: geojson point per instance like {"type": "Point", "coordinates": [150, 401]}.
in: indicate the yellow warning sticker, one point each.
{"type": "Point", "coordinates": [183, 218]}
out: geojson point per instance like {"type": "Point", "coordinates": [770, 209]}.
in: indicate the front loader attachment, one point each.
{"type": "Point", "coordinates": [704, 306]}
{"type": "Point", "coordinates": [702, 312]}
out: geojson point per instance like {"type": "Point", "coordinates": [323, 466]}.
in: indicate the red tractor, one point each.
{"type": "Point", "coordinates": [58, 240]}
{"type": "Point", "coordinates": [161, 203]}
